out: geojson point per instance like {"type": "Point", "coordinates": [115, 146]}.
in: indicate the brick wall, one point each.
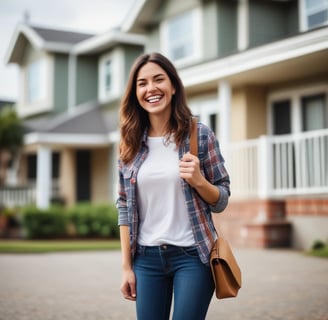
{"type": "Point", "coordinates": [255, 223]}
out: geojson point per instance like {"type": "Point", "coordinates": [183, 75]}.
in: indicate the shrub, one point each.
{"type": "Point", "coordinates": [94, 220]}
{"type": "Point", "coordinates": [83, 220]}
{"type": "Point", "coordinates": [318, 244]}
{"type": "Point", "coordinates": [44, 223]}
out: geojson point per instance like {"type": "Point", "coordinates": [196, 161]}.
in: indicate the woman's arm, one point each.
{"type": "Point", "coordinates": [128, 285]}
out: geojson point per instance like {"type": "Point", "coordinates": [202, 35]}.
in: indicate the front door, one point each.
{"type": "Point", "coordinates": [83, 175]}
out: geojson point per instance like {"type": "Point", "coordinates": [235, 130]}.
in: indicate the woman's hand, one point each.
{"type": "Point", "coordinates": [128, 286]}
{"type": "Point", "coordinates": [189, 170]}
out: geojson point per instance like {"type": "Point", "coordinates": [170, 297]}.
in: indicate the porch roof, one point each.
{"type": "Point", "coordinates": [86, 121]}
{"type": "Point", "coordinates": [298, 57]}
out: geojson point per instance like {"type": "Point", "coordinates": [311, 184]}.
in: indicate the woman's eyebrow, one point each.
{"type": "Point", "coordinates": [154, 77]}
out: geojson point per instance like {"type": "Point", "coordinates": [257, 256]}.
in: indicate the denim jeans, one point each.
{"type": "Point", "coordinates": [165, 271]}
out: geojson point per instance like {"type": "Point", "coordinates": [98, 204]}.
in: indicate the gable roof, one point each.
{"type": "Point", "coordinates": [52, 40]}
{"type": "Point", "coordinates": [60, 36]}
{"type": "Point", "coordinates": [105, 41]}
{"type": "Point", "coordinates": [141, 15]}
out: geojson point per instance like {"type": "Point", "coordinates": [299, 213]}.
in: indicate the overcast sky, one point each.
{"type": "Point", "coordinates": [90, 16]}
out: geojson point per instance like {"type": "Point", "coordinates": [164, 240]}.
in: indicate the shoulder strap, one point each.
{"type": "Point", "coordinates": [194, 137]}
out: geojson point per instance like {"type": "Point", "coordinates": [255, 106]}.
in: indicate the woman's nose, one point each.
{"type": "Point", "coordinates": [151, 86]}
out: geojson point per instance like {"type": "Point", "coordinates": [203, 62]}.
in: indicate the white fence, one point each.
{"type": "Point", "coordinates": [277, 166]}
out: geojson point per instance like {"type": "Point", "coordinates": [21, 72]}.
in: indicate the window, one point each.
{"type": "Point", "coordinates": [316, 13]}
{"type": "Point", "coordinates": [36, 81]}
{"type": "Point", "coordinates": [108, 75]}
{"type": "Point", "coordinates": [299, 110]}
{"type": "Point", "coordinates": [281, 117]}
{"type": "Point", "coordinates": [314, 113]}
{"type": "Point", "coordinates": [181, 37]}
{"type": "Point", "coordinates": [31, 167]}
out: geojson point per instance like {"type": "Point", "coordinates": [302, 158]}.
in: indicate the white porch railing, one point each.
{"type": "Point", "coordinates": [278, 166]}
{"type": "Point", "coordinates": [15, 196]}
{"type": "Point", "coordinates": [18, 196]}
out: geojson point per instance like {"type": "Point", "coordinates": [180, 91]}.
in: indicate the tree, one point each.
{"type": "Point", "coordinates": [11, 139]}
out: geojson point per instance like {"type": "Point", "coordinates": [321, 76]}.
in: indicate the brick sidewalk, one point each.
{"type": "Point", "coordinates": [277, 284]}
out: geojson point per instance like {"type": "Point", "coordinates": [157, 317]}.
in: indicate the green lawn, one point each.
{"type": "Point", "coordinates": [45, 246]}
{"type": "Point", "coordinates": [321, 253]}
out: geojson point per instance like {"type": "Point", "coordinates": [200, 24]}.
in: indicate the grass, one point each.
{"type": "Point", "coordinates": [47, 246]}
{"type": "Point", "coordinates": [321, 253]}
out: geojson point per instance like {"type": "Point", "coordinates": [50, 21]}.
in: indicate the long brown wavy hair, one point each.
{"type": "Point", "coordinates": [134, 119]}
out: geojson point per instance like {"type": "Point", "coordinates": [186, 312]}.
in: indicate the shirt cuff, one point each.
{"type": "Point", "coordinates": [222, 202]}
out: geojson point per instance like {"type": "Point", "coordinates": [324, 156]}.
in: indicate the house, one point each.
{"type": "Point", "coordinates": [255, 71]}
{"type": "Point", "coordinates": [70, 89]}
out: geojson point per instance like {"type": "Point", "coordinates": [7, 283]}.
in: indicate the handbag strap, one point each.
{"type": "Point", "coordinates": [194, 137]}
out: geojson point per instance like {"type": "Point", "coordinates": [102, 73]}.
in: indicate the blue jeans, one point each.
{"type": "Point", "coordinates": [165, 271]}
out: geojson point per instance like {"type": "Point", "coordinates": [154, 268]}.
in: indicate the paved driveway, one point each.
{"type": "Point", "coordinates": [277, 284]}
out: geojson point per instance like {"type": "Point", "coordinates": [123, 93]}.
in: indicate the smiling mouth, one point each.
{"type": "Point", "coordinates": [154, 99]}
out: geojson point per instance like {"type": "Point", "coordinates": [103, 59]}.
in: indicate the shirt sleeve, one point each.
{"type": "Point", "coordinates": [121, 202]}
{"type": "Point", "coordinates": [213, 166]}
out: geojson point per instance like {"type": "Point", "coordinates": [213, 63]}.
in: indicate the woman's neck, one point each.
{"type": "Point", "coordinates": [158, 127]}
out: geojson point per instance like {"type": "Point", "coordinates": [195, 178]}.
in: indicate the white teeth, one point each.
{"type": "Point", "coordinates": [154, 99]}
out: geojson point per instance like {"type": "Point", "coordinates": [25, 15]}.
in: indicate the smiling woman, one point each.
{"type": "Point", "coordinates": [166, 196]}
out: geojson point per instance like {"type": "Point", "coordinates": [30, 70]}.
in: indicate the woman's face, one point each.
{"type": "Point", "coordinates": [154, 89]}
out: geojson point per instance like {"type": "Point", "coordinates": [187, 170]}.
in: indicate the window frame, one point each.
{"type": "Point", "coordinates": [196, 38]}
{"type": "Point", "coordinates": [296, 96]}
{"type": "Point", "coordinates": [105, 94]}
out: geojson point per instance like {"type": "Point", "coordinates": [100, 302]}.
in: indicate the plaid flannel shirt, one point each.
{"type": "Point", "coordinates": [212, 167]}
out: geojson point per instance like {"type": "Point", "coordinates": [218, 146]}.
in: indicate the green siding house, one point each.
{"type": "Point", "coordinates": [255, 71]}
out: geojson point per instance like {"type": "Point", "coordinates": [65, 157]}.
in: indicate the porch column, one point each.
{"type": "Point", "coordinates": [224, 115]}
{"type": "Point", "coordinates": [43, 180]}
{"type": "Point", "coordinates": [265, 159]}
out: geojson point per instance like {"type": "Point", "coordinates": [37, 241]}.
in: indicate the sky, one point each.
{"type": "Point", "coordinates": [89, 16]}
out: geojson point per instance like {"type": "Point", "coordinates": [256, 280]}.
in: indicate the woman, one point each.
{"type": "Point", "coordinates": [166, 196]}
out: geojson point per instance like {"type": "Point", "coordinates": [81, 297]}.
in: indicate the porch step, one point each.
{"type": "Point", "coordinates": [255, 223]}
{"type": "Point", "coordinates": [267, 234]}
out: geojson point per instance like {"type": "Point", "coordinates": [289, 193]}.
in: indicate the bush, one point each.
{"type": "Point", "coordinates": [83, 220]}
{"type": "Point", "coordinates": [44, 223]}
{"type": "Point", "coordinates": [86, 220]}
{"type": "Point", "coordinates": [318, 244]}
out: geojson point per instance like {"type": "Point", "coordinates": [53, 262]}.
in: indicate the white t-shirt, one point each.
{"type": "Point", "coordinates": [163, 216]}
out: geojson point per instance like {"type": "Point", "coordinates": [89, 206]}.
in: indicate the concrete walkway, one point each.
{"type": "Point", "coordinates": [277, 284]}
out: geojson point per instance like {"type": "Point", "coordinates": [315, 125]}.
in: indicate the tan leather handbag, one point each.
{"type": "Point", "coordinates": [225, 270]}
